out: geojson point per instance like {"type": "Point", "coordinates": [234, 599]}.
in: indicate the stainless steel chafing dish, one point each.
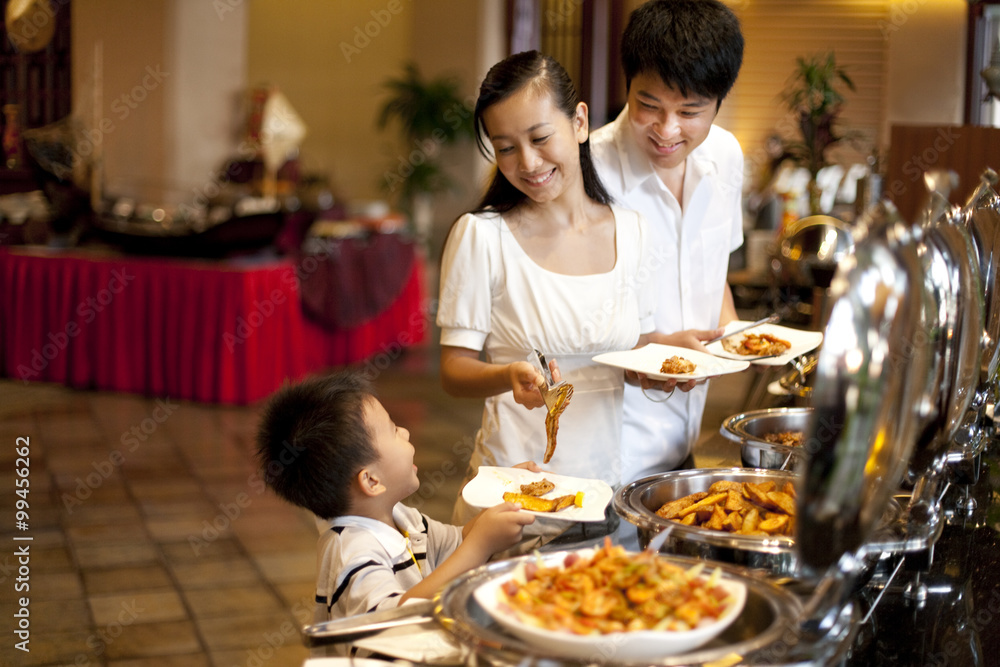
{"type": "Point", "coordinates": [775, 556]}
{"type": "Point", "coordinates": [981, 219]}
{"type": "Point", "coordinates": [750, 430]}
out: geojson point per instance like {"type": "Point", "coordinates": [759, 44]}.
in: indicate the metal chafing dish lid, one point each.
{"type": "Point", "coordinates": [965, 332]}
{"type": "Point", "coordinates": [982, 217]}
{"type": "Point", "coordinates": [809, 248]}
{"type": "Point", "coordinates": [868, 395]}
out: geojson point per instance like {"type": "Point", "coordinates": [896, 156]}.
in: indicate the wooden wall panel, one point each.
{"type": "Point", "coordinates": [914, 149]}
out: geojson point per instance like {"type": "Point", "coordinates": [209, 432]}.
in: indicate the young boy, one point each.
{"type": "Point", "coordinates": [664, 157]}
{"type": "Point", "coordinates": [328, 445]}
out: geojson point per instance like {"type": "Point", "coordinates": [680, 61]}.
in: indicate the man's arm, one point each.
{"type": "Point", "coordinates": [728, 313]}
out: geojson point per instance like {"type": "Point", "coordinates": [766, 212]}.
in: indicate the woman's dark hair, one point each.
{"type": "Point", "coordinates": [528, 68]}
{"type": "Point", "coordinates": [693, 45]}
{"type": "Point", "coordinates": [313, 440]}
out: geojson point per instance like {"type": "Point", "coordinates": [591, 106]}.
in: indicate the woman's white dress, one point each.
{"type": "Point", "coordinates": [496, 299]}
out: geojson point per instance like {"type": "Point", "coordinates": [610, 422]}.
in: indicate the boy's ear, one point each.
{"type": "Point", "coordinates": [369, 483]}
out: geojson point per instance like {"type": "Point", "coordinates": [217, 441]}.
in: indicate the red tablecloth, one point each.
{"type": "Point", "coordinates": [227, 332]}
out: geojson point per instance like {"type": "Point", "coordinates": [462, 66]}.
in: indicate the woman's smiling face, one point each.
{"type": "Point", "coordinates": [537, 147]}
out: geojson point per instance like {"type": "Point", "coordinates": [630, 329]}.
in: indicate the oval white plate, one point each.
{"type": "Point", "coordinates": [641, 645]}
{"type": "Point", "coordinates": [649, 360]}
{"type": "Point", "coordinates": [486, 489]}
{"type": "Point", "coordinates": [801, 341]}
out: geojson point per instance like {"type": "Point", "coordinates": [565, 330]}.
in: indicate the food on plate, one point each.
{"type": "Point", "coordinates": [539, 488]}
{"type": "Point", "coordinates": [616, 591]}
{"type": "Point", "coordinates": [787, 438]}
{"type": "Point", "coordinates": [745, 508]}
{"type": "Point", "coordinates": [677, 366]}
{"type": "Point", "coordinates": [764, 345]}
{"type": "Point", "coordinates": [564, 392]}
{"type": "Point", "coordinates": [536, 504]}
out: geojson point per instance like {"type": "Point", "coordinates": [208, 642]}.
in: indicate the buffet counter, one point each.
{"type": "Point", "coordinates": [942, 608]}
{"type": "Point", "coordinates": [932, 608]}
{"type": "Point", "coordinates": [227, 331]}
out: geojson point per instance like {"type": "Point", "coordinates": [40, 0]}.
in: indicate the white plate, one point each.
{"type": "Point", "coordinates": [486, 489]}
{"type": "Point", "coordinates": [640, 645]}
{"type": "Point", "coordinates": [649, 360]}
{"type": "Point", "coordinates": [802, 342]}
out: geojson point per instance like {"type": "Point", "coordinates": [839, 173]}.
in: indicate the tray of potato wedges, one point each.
{"type": "Point", "coordinates": [747, 508]}
{"type": "Point", "coordinates": [755, 495]}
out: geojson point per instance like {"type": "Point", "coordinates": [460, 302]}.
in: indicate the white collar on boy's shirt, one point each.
{"type": "Point", "coordinates": [391, 539]}
{"type": "Point", "coordinates": [636, 167]}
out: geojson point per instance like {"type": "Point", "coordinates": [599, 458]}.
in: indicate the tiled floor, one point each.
{"type": "Point", "coordinates": [153, 541]}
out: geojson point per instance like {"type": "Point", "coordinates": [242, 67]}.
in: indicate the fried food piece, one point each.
{"type": "Point", "coordinates": [773, 524]}
{"type": "Point", "coordinates": [733, 522]}
{"type": "Point", "coordinates": [763, 345]}
{"type": "Point", "coordinates": [725, 485]}
{"type": "Point", "coordinates": [782, 501]}
{"type": "Point", "coordinates": [677, 366]}
{"type": "Point", "coordinates": [705, 503]}
{"type": "Point", "coordinates": [755, 494]}
{"type": "Point", "coordinates": [736, 503]}
{"type": "Point", "coordinates": [718, 518]}
{"type": "Point", "coordinates": [536, 504]}
{"type": "Point", "coordinates": [674, 507]}
{"type": "Point", "coordinates": [539, 488]}
{"type": "Point", "coordinates": [750, 521]}
{"type": "Point", "coordinates": [565, 393]}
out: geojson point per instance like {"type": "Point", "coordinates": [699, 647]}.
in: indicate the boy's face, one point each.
{"type": "Point", "coordinates": [667, 125]}
{"type": "Point", "coordinates": [394, 467]}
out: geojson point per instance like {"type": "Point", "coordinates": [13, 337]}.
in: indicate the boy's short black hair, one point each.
{"type": "Point", "coordinates": [313, 440]}
{"type": "Point", "coordinates": [694, 46]}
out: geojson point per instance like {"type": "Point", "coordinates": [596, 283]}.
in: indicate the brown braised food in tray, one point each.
{"type": "Point", "coordinates": [787, 438]}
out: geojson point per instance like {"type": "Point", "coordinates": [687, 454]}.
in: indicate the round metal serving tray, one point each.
{"type": "Point", "coordinates": [765, 621]}
{"type": "Point", "coordinates": [750, 428]}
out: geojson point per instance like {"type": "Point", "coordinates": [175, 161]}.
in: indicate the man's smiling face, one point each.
{"type": "Point", "coordinates": [666, 125]}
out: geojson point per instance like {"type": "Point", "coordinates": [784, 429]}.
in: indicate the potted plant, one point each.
{"type": "Point", "coordinates": [813, 94]}
{"type": "Point", "coordinates": [431, 114]}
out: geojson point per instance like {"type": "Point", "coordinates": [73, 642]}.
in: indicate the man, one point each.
{"type": "Point", "coordinates": [664, 157]}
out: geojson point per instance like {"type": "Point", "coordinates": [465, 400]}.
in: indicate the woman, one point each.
{"type": "Point", "coordinates": [543, 262]}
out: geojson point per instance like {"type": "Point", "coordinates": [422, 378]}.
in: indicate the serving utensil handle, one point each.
{"type": "Point", "coordinates": [349, 629]}
{"type": "Point", "coordinates": [770, 319]}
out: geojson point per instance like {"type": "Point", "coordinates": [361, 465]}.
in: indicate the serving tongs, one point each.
{"type": "Point", "coordinates": [555, 394]}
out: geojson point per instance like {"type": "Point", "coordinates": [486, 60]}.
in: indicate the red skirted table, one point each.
{"type": "Point", "coordinates": [212, 331]}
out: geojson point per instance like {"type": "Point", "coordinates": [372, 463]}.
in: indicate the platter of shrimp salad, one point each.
{"type": "Point", "coordinates": [633, 606]}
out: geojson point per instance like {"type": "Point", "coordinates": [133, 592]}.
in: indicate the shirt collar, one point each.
{"type": "Point", "coordinates": [388, 537]}
{"type": "Point", "coordinates": [636, 167]}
